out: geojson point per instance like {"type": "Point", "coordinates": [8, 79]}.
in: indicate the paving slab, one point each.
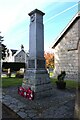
{"type": "Point", "coordinates": [59, 105]}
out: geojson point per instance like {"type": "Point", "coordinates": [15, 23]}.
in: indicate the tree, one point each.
{"type": "Point", "coordinates": [8, 54]}
{"type": "Point", "coordinates": [3, 51]}
{"type": "Point", "coordinates": [2, 48]}
{"type": "Point", "coordinates": [49, 60]}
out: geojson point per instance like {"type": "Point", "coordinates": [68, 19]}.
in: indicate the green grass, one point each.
{"type": "Point", "coordinates": [69, 83]}
{"type": "Point", "coordinates": [53, 81]}
{"type": "Point", "coordinates": [7, 82]}
{"type": "Point", "coordinates": [5, 76]}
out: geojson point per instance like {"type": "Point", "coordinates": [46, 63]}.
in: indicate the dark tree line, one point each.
{"type": "Point", "coordinates": [3, 48]}
{"type": "Point", "coordinates": [3, 51]}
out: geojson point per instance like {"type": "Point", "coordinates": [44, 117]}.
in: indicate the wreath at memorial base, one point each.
{"type": "Point", "coordinates": [27, 93]}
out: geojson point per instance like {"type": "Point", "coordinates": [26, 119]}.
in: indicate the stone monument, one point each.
{"type": "Point", "coordinates": [36, 76]}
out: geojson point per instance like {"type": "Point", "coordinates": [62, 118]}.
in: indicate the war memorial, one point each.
{"type": "Point", "coordinates": [36, 76]}
{"type": "Point", "coordinates": [51, 103]}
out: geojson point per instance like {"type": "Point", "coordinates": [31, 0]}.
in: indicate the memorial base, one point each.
{"type": "Point", "coordinates": [39, 82]}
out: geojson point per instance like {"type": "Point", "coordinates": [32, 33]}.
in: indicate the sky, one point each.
{"type": "Point", "coordinates": [14, 20]}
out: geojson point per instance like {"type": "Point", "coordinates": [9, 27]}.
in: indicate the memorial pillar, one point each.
{"type": "Point", "coordinates": [36, 75]}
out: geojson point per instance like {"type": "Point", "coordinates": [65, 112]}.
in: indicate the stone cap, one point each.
{"type": "Point", "coordinates": [36, 11]}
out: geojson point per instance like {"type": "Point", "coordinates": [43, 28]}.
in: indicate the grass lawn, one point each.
{"type": "Point", "coordinates": [7, 82]}
{"type": "Point", "coordinates": [69, 83]}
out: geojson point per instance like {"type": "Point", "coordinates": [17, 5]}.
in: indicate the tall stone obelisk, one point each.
{"type": "Point", "coordinates": [36, 75]}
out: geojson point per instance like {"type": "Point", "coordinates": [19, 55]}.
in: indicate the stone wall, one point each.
{"type": "Point", "coordinates": [66, 53]}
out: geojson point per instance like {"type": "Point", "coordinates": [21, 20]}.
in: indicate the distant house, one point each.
{"type": "Point", "coordinates": [67, 50]}
{"type": "Point", "coordinates": [16, 55]}
{"type": "Point", "coordinates": [21, 56]}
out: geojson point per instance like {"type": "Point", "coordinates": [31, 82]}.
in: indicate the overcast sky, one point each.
{"type": "Point", "coordinates": [14, 20]}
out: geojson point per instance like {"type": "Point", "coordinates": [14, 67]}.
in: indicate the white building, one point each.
{"type": "Point", "coordinates": [16, 56]}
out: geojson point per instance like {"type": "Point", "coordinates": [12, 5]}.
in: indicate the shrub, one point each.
{"type": "Point", "coordinates": [61, 76]}
{"type": "Point", "coordinates": [60, 83]}
{"type": "Point", "coordinates": [19, 74]}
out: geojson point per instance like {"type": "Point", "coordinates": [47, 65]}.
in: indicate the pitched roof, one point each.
{"type": "Point", "coordinates": [13, 51]}
{"type": "Point", "coordinates": [19, 52]}
{"type": "Point", "coordinates": [58, 39]}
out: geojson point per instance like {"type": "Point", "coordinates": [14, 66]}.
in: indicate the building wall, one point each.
{"type": "Point", "coordinates": [21, 57]}
{"type": "Point", "coordinates": [79, 52]}
{"type": "Point", "coordinates": [66, 53]}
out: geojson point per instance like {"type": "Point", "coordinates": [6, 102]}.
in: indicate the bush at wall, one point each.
{"type": "Point", "coordinates": [19, 74]}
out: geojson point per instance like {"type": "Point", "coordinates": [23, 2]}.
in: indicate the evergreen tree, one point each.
{"type": "Point", "coordinates": [2, 48]}
{"type": "Point", "coordinates": [3, 51]}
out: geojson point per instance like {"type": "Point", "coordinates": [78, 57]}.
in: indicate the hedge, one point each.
{"type": "Point", "coordinates": [14, 66]}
